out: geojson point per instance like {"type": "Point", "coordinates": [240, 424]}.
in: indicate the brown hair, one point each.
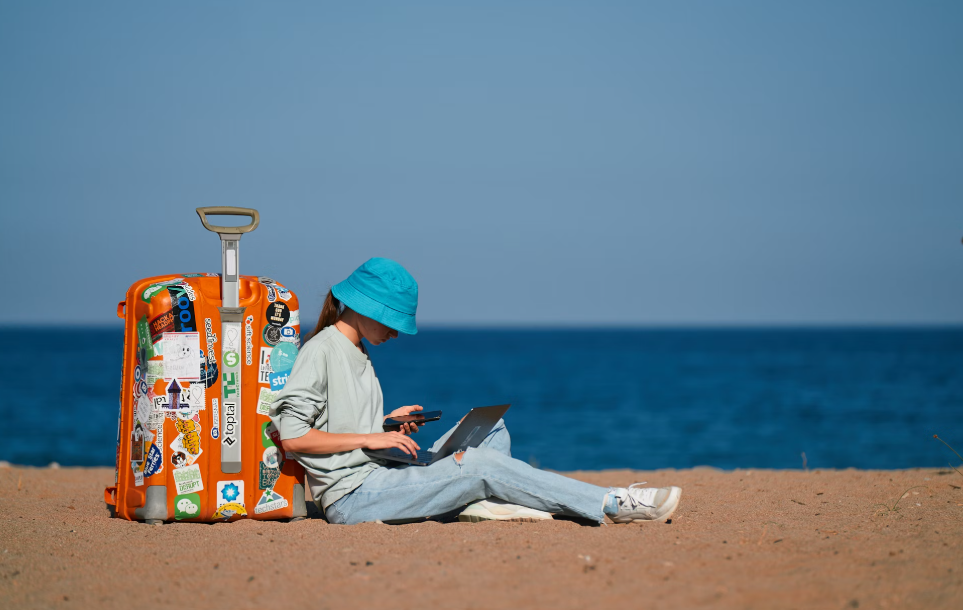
{"type": "Point", "coordinates": [329, 313]}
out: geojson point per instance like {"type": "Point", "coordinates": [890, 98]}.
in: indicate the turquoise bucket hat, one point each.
{"type": "Point", "coordinates": [384, 291]}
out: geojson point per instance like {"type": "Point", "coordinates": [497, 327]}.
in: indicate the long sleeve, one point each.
{"type": "Point", "coordinates": [302, 404]}
{"type": "Point", "coordinates": [332, 387]}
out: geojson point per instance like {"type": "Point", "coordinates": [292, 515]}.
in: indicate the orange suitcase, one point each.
{"type": "Point", "coordinates": [204, 355]}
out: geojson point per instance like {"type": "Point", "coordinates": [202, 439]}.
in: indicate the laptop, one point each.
{"type": "Point", "coordinates": [470, 433]}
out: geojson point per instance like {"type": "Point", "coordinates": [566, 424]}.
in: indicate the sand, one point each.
{"type": "Point", "coordinates": [741, 539]}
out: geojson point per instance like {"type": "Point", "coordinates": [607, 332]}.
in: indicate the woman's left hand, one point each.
{"type": "Point", "coordinates": [406, 428]}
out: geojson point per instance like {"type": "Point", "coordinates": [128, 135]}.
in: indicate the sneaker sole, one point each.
{"type": "Point", "coordinates": [479, 518]}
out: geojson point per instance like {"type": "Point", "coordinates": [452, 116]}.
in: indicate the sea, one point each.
{"type": "Point", "coordinates": [582, 399]}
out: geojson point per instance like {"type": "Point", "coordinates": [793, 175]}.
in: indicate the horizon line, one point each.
{"type": "Point", "coordinates": [583, 326]}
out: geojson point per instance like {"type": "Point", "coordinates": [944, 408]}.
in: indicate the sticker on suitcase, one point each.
{"type": "Point", "coordinates": [211, 337]}
{"type": "Point", "coordinates": [267, 476]}
{"type": "Point", "coordinates": [182, 307]}
{"type": "Point", "coordinates": [232, 340]}
{"type": "Point", "coordinates": [283, 357]}
{"type": "Point", "coordinates": [264, 368]}
{"type": "Point", "coordinates": [270, 437]}
{"type": "Point", "coordinates": [208, 372]}
{"type": "Point", "coordinates": [140, 440]}
{"type": "Point", "coordinates": [230, 499]}
{"type": "Point", "coordinates": [137, 439]}
{"type": "Point", "coordinates": [187, 506]}
{"type": "Point", "coordinates": [155, 372]}
{"type": "Point", "coordinates": [209, 361]}
{"type": "Point", "coordinates": [278, 314]}
{"type": "Point", "coordinates": [269, 469]}
{"type": "Point", "coordinates": [144, 342]}
{"type": "Point", "coordinates": [188, 479]}
{"type": "Point", "coordinates": [176, 398]}
{"type": "Point", "coordinates": [186, 448]}
{"type": "Point", "coordinates": [164, 323]}
{"type": "Point", "coordinates": [156, 287]}
{"type": "Point", "coordinates": [271, 335]}
{"type": "Point", "coordinates": [229, 510]}
{"type": "Point", "coordinates": [279, 380]}
{"type": "Point", "coordinates": [194, 396]}
{"type": "Point", "coordinates": [264, 400]}
{"type": "Point", "coordinates": [143, 409]}
{"type": "Point", "coordinates": [248, 343]}
{"type": "Point", "coordinates": [230, 492]}
{"type": "Point", "coordinates": [215, 419]}
{"type": "Point", "coordinates": [182, 355]}
{"type": "Point", "coordinates": [290, 335]}
{"type": "Point", "coordinates": [270, 500]}
{"type": "Point", "coordinates": [154, 462]}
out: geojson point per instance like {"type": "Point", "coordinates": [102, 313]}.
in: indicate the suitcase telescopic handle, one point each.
{"type": "Point", "coordinates": [232, 317]}
{"type": "Point", "coordinates": [228, 210]}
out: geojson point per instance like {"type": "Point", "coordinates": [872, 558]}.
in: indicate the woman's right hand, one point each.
{"type": "Point", "coordinates": [387, 440]}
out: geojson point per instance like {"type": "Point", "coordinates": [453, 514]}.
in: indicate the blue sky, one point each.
{"type": "Point", "coordinates": [530, 163]}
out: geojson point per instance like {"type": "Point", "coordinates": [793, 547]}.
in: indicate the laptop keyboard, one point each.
{"type": "Point", "coordinates": [423, 456]}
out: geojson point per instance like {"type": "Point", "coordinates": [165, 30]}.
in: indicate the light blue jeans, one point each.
{"type": "Point", "coordinates": [410, 492]}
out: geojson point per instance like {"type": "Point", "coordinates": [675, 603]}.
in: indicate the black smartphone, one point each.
{"type": "Point", "coordinates": [418, 417]}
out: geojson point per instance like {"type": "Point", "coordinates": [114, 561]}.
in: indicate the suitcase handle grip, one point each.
{"type": "Point", "coordinates": [120, 310]}
{"type": "Point", "coordinates": [228, 210]}
{"type": "Point", "coordinates": [109, 496]}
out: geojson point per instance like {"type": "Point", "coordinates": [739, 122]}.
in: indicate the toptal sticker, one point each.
{"type": "Point", "coordinates": [230, 408]}
{"type": "Point", "coordinates": [231, 392]}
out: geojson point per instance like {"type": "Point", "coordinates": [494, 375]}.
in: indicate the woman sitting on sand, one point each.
{"type": "Point", "coordinates": [331, 409]}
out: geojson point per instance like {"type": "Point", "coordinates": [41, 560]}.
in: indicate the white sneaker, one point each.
{"type": "Point", "coordinates": [494, 509]}
{"type": "Point", "coordinates": [646, 503]}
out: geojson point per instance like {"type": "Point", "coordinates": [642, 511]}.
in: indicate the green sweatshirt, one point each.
{"type": "Point", "coordinates": [333, 388]}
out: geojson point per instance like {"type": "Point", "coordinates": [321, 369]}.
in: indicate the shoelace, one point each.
{"type": "Point", "coordinates": [645, 498]}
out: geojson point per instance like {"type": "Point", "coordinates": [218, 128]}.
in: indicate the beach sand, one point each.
{"type": "Point", "coordinates": [746, 538]}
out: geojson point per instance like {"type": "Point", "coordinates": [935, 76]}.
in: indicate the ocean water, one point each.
{"type": "Point", "coordinates": [581, 399]}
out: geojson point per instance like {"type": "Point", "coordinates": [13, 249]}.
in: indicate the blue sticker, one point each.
{"type": "Point", "coordinates": [288, 332]}
{"type": "Point", "coordinates": [154, 460]}
{"type": "Point", "coordinates": [278, 380]}
{"type": "Point", "coordinates": [182, 307]}
{"type": "Point", "coordinates": [208, 371]}
{"type": "Point", "coordinates": [283, 356]}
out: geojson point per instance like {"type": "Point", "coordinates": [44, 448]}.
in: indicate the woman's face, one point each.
{"type": "Point", "coordinates": [375, 332]}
